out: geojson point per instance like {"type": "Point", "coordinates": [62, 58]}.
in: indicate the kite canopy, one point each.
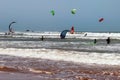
{"type": "Point", "coordinates": [63, 33]}
{"type": "Point", "coordinates": [72, 30]}
{"type": "Point", "coordinates": [10, 29]}
{"type": "Point", "coordinates": [73, 11]}
{"type": "Point", "coordinates": [52, 12]}
{"type": "Point", "coordinates": [101, 19]}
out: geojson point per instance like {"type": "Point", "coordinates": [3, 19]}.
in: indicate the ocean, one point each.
{"type": "Point", "coordinates": [25, 53]}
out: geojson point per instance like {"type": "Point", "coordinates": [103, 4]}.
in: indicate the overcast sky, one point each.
{"type": "Point", "coordinates": [35, 14]}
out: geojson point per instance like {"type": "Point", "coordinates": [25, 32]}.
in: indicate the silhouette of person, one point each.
{"type": "Point", "coordinates": [95, 41]}
{"type": "Point", "coordinates": [42, 38]}
{"type": "Point", "coordinates": [108, 40]}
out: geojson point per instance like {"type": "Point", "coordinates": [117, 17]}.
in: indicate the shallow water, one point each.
{"type": "Point", "coordinates": [36, 68]}
{"type": "Point", "coordinates": [55, 58]}
{"type": "Point", "coordinates": [63, 49]}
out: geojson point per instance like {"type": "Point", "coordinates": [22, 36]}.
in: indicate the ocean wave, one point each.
{"type": "Point", "coordinates": [82, 35]}
{"type": "Point", "coordinates": [63, 55]}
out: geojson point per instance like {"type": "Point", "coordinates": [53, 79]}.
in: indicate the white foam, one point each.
{"type": "Point", "coordinates": [90, 35]}
{"type": "Point", "coordinates": [74, 56]}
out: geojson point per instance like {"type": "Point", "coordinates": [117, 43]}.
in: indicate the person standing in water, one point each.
{"type": "Point", "coordinates": [42, 38]}
{"type": "Point", "coordinates": [95, 41]}
{"type": "Point", "coordinates": [108, 40]}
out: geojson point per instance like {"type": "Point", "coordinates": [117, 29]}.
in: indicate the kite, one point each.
{"type": "Point", "coordinates": [10, 29]}
{"type": "Point", "coordinates": [63, 34]}
{"type": "Point", "coordinates": [73, 11]}
{"type": "Point", "coordinates": [52, 12]}
{"type": "Point", "coordinates": [101, 19]}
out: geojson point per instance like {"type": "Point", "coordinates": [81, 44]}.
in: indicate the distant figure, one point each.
{"type": "Point", "coordinates": [72, 30]}
{"type": "Point", "coordinates": [85, 35]}
{"type": "Point", "coordinates": [6, 33]}
{"type": "Point", "coordinates": [27, 30]}
{"type": "Point", "coordinates": [95, 41]}
{"type": "Point", "coordinates": [108, 40]}
{"type": "Point", "coordinates": [42, 38]}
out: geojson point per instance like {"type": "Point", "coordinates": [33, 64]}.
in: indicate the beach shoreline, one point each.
{"type": "Point", "coordinates": [27, 57]}
{"type": "Point", "coordinates": [60, 70]}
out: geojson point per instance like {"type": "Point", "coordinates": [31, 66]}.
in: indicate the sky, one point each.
{"type": "Point", "coordinates": [35, 15]}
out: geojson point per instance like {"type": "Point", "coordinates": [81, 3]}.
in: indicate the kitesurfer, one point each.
{"type": "Point", "coordinates": [72, 30]}
{"type": "Point", "coordinates": [42, 38]}
{"type": "Point", "coordinates": [95, 41]}
{"type": "Point", "coordinates": [108, 40]}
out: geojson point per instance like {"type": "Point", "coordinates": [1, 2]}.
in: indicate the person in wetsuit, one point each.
{"type": "Point", "coordinates": [108, 40]}
{"type": "Point", "coordinates": [42, 38]}
{"type": "Point", "coordinates": [95, 41]}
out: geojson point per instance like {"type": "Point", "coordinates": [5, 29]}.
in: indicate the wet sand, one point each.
{"type": "Point", "coordinates": [63, 74]}
{"type": "Point", "coordinates": [16, 68]}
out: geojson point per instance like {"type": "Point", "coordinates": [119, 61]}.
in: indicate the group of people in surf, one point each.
{"type": "Point", "coordinates": [108, 40]}
{"type": "Point", "coordinates": [63, 34]}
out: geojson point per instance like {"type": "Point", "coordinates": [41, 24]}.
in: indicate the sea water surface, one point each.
{"type": "Point", "coordinates": [69, 49]}
{"type": "Point", "coordinates": [26, 51]}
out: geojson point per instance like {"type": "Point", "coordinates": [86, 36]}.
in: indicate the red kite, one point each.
{"type": "Point", "coordinates": [101, 19]}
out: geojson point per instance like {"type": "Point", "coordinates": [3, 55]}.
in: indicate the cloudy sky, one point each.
{"type": "Point", "coordinates": [35, 15]}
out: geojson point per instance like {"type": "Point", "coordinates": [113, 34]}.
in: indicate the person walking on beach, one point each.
{"type": "Point", "coordinates": [108, 40]}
